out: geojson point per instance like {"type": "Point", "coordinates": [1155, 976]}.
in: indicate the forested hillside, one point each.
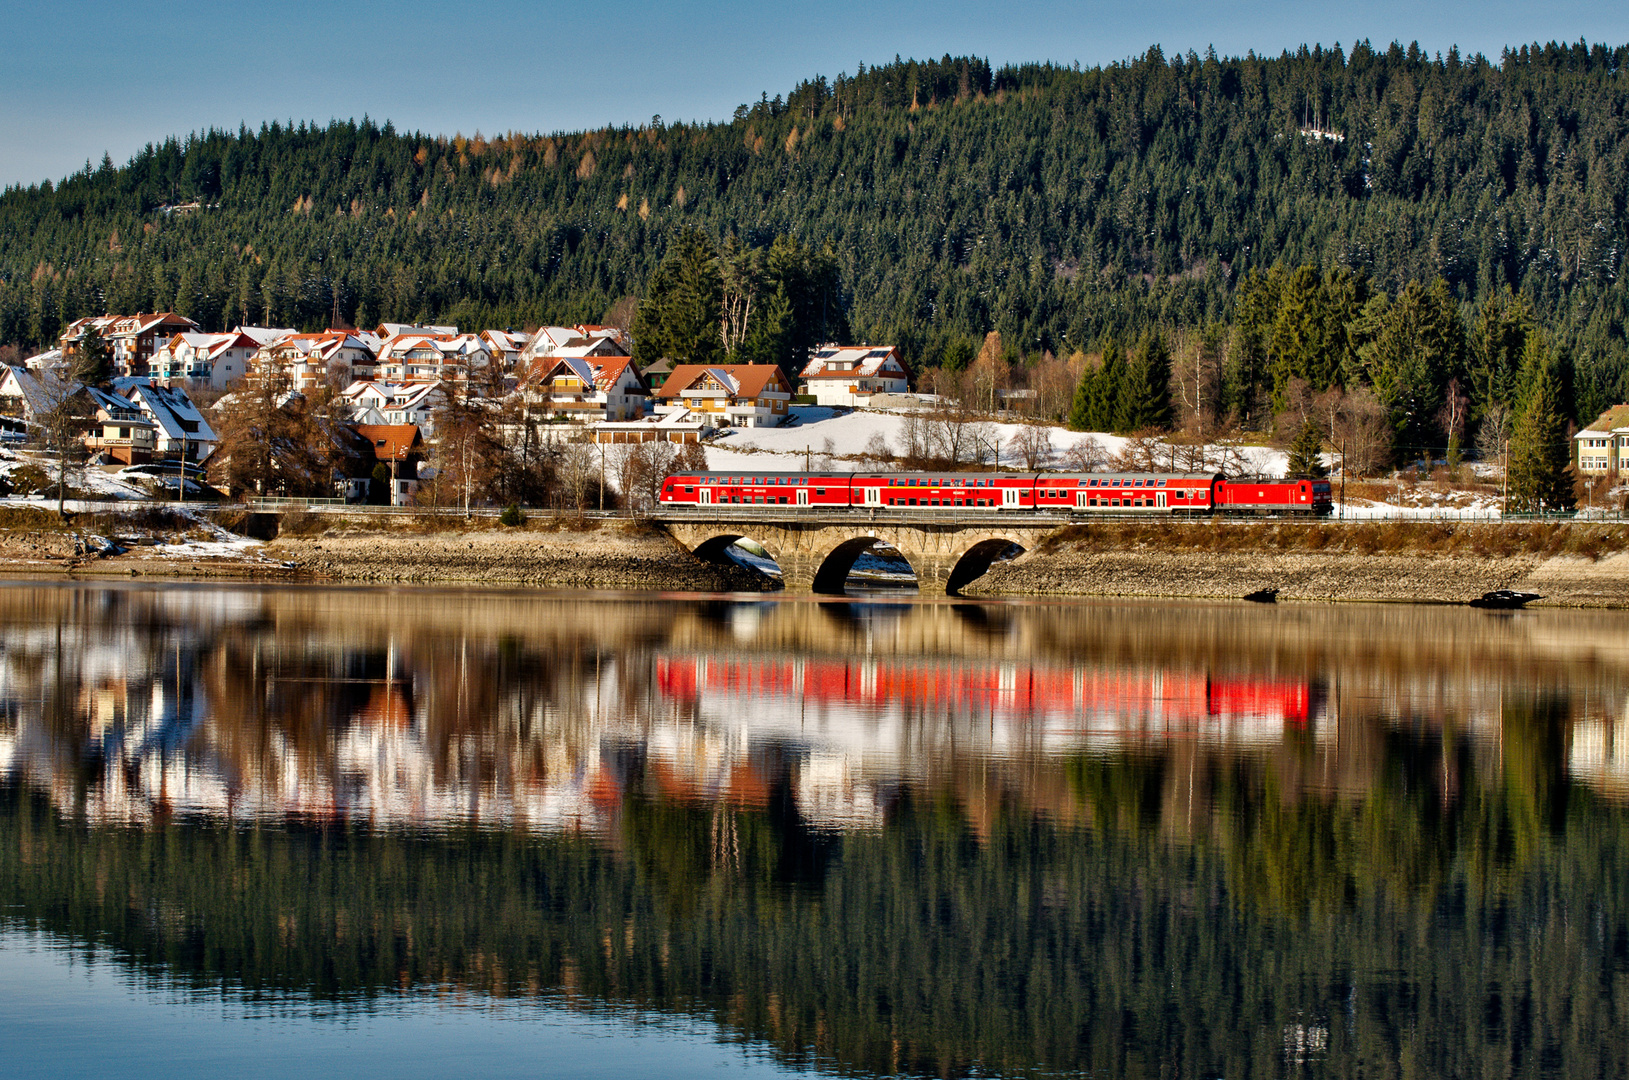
{"type": "Point", "coordinates": [1055, 205]}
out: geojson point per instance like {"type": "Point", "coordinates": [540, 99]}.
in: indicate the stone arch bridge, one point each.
{"type": "Point", "coordinates": [815, 553]}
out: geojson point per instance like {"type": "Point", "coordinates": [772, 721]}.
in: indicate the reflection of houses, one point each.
{"type": "Point", "coordinates": [747, 395]}
{"type": "Point", "coordinates": [1599, 756]}
{"type": "Point", "coordinates": [836, 375]}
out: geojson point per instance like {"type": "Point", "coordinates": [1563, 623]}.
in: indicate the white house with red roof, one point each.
{"type": "Point", "coordinates": [850, 375]}
{"type": "Point", "coordinates": [308, 360]}
{"type": "Point", "coordinates": [213, 360]}
{"type": "Point", "coordinates": [552, 342]}
{"type": "Point", "coordinates": [588, 388]}
{"type": "Point", "coordinates": [133, 338]}
{"type": "Point", "coordinates": [417, 357]}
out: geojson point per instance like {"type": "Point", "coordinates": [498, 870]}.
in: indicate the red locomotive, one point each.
{"type": "Point", "coordinates": [1083, 494]}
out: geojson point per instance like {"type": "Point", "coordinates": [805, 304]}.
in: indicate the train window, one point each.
{"type": "Point", "coordinates": [1162, 483]}
{"type": "Point", "coordinates": [913, 502]}
{"type": "Point", "coordinates": [820, 491]}
{"type": "Point", "coordinates": [688, 490]}
{"type": "Point", "coordinates": [958, 502]}
{"type": "Point", "coordinates": [782, 500]}
{"type": "Point", "coordinates": [1091, 502]}
{"type": "Point", "coordinates": [1114, 502]}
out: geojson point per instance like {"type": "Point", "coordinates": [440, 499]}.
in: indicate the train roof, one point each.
{"type": "Point", "coordinates": [958, 473]}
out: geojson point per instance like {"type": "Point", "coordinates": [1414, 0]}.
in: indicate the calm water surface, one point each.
{"type": "Point", "coordinates": [408, 832]}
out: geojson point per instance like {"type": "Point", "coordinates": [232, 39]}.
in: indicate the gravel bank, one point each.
{"type": "Point", "coordinates": [597, 559]}
{"type": "Point", "coordinates": [1309, 576]}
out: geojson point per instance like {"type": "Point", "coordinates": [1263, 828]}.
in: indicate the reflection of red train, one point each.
{"type": "Point", "coordinates": [1075, 493]}
{"type": "Point", "coordinates": [1173, 695]}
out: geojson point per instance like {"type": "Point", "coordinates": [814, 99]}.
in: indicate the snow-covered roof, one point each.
{"type": "Point", "coordinates": [396, 329]}
{"type": "Point", "coordinates": [265, 335]}
{"type": "Point", "coordinates": [846, 362]}
{"type": "Point", "coordinates": [40, 391]}
{"type": "Point", "coordinates": [170, 408]}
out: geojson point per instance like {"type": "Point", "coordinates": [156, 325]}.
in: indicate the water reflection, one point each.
{"type": "Point", "coordinates": [886, 837]}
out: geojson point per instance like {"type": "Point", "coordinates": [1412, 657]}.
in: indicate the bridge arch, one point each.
{"type": "Point", "coordinates": [834, 564]}
{"type": "Point", "coordinates": [714, 548]}
{"type": "Point", "coordinates": [975, 559]}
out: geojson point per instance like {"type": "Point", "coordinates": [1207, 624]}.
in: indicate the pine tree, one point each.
{"type": "Point", "coordinates": [1306, 454]}
{"type": "Point", "coordinates": [1540, 480]}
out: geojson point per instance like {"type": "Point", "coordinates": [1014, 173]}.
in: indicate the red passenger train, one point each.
{"type": "Point", "coordinates": [1075, 493]}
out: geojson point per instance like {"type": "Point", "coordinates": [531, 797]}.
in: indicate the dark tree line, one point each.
{"type": "Point", "coordinates": [1059, 207]}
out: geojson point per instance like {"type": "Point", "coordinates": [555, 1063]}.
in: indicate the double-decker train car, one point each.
{"type": "Point", "coordinates": [1084, 494]}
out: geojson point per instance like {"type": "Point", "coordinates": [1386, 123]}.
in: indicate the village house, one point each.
{"type": "Point", "coordinates": [309, 360]}
{"type": "Point", "coordinates": [135, 338]}
{"type": "Point", "coordinates": [400, 448]}
{"type": "Point", "coordinates": [844, 375]}
{"type": "Point", "coordinates": [118, 429]}
{"type": "Point", "coordinates": [382, 403]}
{"type": "Point", "coordinates": [420, 358]}
{"type": "Point", "coordinates": [179, 427]}
{"type": "Point", "coordinates": [505, 347]}
{"type": "Point", "coordinates": [1603, 446]}
{"type": "Point", "coordinates": [588, 388]}
{"type": "Point", "coordinates": [554, 342]}
{"type": "Point", "coordinates": [656, 373]}
{"type": "Point", "coordinates": [212, 360]}
{"type": "Point", "coordinates": [386, 331]}
{"type": "Point", "coordinates": [746, 395]}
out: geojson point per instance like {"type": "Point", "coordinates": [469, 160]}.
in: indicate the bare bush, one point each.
{"type": "Point", "coordinates": [1033, 445]}
{"type": "Point", "coordinates": [878, 452]}
{"type": "Point", "coordinates": [1085, 455]}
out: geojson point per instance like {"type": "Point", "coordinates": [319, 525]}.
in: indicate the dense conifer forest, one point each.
{"type": "Point", "coordinates": [929, 203]}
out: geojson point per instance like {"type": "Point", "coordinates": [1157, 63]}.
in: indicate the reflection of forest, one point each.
{"type": "Point", "coordinates": [1137, 839]}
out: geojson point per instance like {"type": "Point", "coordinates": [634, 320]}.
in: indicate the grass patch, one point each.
{"type": "Point", "coordinates": [1484, 539]}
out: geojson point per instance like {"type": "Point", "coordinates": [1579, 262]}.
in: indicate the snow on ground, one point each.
{"type": "Point", "coordinates": [90, 479]}
{"type": "Point", "coordinates": [1478, 510]}
{"type": "Point", "coordinates": [786, 448]}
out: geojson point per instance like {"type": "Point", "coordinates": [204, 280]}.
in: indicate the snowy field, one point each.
{"type": "Point", "coordinates": [785, 449]}
{"type": "Point", "coordinates": [820, 433]}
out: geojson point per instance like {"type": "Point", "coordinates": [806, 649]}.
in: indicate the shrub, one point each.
{"type": "Point", "coordinates": [29, 479]}
{"type": "Point", "coordinates": [511, 516]}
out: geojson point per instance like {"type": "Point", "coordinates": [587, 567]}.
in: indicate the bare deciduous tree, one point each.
{"type": "Point", "coordinates": [1493, 432]}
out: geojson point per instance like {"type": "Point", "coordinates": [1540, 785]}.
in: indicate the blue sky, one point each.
{"type": "Point", "coordinates": [84, 77]}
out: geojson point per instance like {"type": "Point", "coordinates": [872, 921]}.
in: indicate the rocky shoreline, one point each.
{"type": "Point", "coordinates": [1452, 567]}
{"type": "Point", "coordinates": [596, 559]}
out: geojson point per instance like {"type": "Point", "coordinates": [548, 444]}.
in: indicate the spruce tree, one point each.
{"type": "Point", "coordinates": [1081, 409]}
{"type": "Point", "coordinates": [1147, 394]}
{"type": "Point", "coordinates": [1306, 454]}
{"type": "Point", "coordinates": [1108, 412]}
{"type": "Point", "coordinates": [1540, 480]}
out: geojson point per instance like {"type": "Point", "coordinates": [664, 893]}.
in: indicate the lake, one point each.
{"type": "Point", "coordinates": [403, 832]}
